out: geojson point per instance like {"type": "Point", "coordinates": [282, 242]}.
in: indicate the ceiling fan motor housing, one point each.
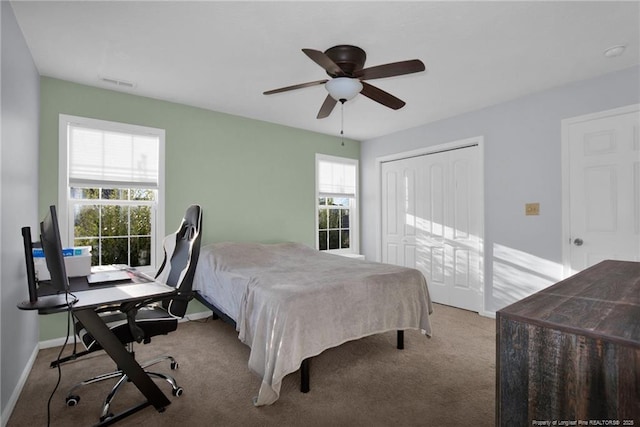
{"type": "Point", "coordinates": [349, 58]}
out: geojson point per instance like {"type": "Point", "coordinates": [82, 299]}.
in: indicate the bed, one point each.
{"type": "Point", "coordinates": [290, 302]}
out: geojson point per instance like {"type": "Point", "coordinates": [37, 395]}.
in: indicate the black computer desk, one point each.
{"type": "Point", "coordinates": [89, 298]}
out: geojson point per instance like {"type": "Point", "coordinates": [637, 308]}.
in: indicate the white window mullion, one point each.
{"type": "Point", "coordinates": [100, 234]}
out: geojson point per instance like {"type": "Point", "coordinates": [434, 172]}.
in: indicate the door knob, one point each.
{"type": "Point", "coordinates": [578, 242]}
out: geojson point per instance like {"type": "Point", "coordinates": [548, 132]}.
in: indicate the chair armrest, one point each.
{"type": "Point", "coordinates": [131, 310]}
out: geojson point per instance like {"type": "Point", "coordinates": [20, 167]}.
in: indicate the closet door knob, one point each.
{"type": "Point", "coordinates": [578, 242]}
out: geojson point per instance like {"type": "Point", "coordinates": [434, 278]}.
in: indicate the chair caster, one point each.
{"type": "Point", "coordinates": [177, 391]}
{"type": "Point", "coordinates": [72, 400]}
{"type": "Point", "coordinates": [174, 365]}
{"type": "Point", "coordinates": [106, 417]}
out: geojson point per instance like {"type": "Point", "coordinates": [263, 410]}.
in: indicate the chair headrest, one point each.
{"type": "Point", "coordinates": [191, 223]}
{"type": "Point", "coordinates": [193, 215]}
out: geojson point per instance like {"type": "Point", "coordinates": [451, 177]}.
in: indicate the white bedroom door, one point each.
{"type": "Point", "coordinates": [431, 220]}
{"type": "Point", "coordinates": [604, 187]}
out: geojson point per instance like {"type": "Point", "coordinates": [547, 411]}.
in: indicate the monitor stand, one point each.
{"type": "Point", "coordinates": [49, 302]}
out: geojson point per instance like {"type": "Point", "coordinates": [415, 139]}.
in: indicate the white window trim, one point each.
{"type": "Point", "coordinates": [354, 221]}
{"type": "Point", "coordinates": [66, 225]}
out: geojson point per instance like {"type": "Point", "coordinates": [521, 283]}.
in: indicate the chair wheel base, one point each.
{"type": "Point", "coordinates": [72, 400]}
{"type": "Point", "coordinates": [174, 365]}
{"type": "Point", "coordinates": [177, 391]}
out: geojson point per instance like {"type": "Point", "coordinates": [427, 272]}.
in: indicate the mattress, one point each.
{"type": "Point", "coordinates": [291, 302]}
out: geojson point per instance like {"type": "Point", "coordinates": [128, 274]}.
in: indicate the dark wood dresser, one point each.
{"type": "Point", "coordinates": [571, 352]}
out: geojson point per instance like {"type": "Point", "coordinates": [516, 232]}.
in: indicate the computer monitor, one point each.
{"type": "Point", "coordinates": [52, 248]}
{"type": "Point", "coordinates": [28, 259]}
{"type": "Point", "coordinates": [58, 295]}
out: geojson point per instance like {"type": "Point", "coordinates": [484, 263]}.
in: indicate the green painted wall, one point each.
{"type": "Point", "coordinates": [254, 180]}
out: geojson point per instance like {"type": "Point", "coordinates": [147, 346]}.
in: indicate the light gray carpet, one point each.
{"type": "Point", "coordinates": [448, 380]}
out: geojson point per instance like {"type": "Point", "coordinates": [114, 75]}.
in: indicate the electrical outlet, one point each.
{"type": "Point", "coordinates": [532, 209]}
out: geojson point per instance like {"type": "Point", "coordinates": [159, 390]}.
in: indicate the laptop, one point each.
{"type": "Point", "coordinates": [108, 274]}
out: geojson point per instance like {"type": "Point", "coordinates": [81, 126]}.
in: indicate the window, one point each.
{"type": "Point", "coordinates": [336, 195]}
{"type": "Point", "coordinates": [111, 190]}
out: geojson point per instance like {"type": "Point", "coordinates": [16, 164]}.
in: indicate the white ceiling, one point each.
{"type": "Point", "coordinates": [222, 55]}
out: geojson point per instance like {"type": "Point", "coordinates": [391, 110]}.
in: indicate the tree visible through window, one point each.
{"type": "Point", "coordinates": [336, 188]}
{"type": "Point", "coordinates": [333, 223]}
{"type": "Point", "coordinates": [114, 224]}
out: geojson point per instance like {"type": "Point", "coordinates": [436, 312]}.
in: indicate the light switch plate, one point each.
{"type": "Point", "coordinates": [532, 209]}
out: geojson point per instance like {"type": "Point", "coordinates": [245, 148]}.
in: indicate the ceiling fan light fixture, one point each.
{"type": "Point", "coordinates": [343, 88]}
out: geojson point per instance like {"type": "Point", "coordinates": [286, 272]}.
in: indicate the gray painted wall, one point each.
{"type": "Point", "coordinates": [522, 163]}
{"type": "Point", "coordinates": [19, 195]}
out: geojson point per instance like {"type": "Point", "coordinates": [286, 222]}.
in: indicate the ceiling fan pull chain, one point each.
{"type": "Point", "coordinates": [342, 122]}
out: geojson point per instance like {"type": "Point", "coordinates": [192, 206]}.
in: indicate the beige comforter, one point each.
{"type": "Point", "coordinates": [295, 302]}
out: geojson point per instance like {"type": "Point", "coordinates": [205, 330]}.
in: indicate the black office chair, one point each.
{"type": "Point", "coordinates": [138, 323]}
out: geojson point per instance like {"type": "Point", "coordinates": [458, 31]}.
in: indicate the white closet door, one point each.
{"type": "Point", "coordinates": [399, 225]}
{"type": "Point", "coordinates": [431, 221]}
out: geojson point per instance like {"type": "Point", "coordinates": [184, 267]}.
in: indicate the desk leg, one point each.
{"type": "Point", "coordinates": [124, 360]}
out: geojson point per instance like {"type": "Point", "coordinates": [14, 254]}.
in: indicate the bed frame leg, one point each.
{"type": "Point", "coordinates": [400, 340]}
{"type": "Point", "coordinates": [305, 366]}
{"type": "Point", "coordinates": [304, 375]}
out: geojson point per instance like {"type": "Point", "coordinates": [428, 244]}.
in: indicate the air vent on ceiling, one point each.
{"type": "Point", "coordinates": [117, 82]}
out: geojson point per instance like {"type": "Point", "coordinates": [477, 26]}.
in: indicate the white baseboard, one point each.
{"type": "Point", "coordinates": [197, 316]}
{"type": "Point", "coordinates": [491, 314]}
{"type": "Point", "coordinates": [56, 342]}
{"type": "Point", "coordinates": [11, 403]}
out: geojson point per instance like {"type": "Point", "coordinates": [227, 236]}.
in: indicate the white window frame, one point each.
{"type": "Point", "coordinates": [354, 213]}
{"type": "Point", "coordinates": [158, 209]}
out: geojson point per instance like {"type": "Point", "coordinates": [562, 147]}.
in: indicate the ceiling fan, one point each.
{"type": "Point", "coordinates": [344, 64]}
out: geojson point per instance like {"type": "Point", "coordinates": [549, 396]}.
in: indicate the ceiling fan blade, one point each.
{"type": "Point", "coordinates": [391, 70]}
{"type": "Point", "coordinates": [381, 96]}
{"type": "Point", "coordinates": [327, 107]}
{"type": "Point", "coordinates": [324, 61]}
{"type": "Point", "coordinates": [299, 86]}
